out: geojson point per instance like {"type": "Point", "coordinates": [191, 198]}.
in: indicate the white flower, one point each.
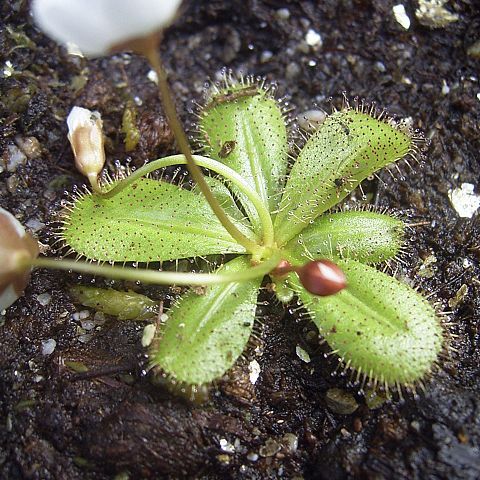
{"type": "Point", "coordinates": [97, 26]}
{"type": "Point", "coordinates": [17, 249]}
{"type": "Point", "coordinates": [86, 138]}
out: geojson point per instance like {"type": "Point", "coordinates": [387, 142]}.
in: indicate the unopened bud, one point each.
{"type": "Point", "coordinates": [17, 250]}
{"type": "Point", "coordinates": [86, 138]}
{"type": "Point", "coordinates": [322, 277]}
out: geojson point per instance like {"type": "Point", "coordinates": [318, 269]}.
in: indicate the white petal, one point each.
{"type": "Point", "coordinates": [7, 297]}
{"type": "Point", "coordinates": [77, 117]}
{"type": "Point", "coordinates": [97, 25]}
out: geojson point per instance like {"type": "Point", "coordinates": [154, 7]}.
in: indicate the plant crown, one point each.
{"type": "Point", "coordinates": [379, 327]}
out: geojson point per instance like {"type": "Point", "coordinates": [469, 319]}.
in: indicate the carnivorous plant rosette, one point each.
{"type": "Point", "coordinates": [377, 325]}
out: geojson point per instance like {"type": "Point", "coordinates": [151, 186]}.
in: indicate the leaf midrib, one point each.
{"type": "Point", "coordinates": [213, 232]}
{"type": "Point", "coordinates": [256, 169]}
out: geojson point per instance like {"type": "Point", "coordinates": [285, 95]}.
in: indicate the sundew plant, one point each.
{"type": "Point", "coordinates": [283, 210]}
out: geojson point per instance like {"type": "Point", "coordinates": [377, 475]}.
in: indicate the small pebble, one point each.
{"type": "Point", "coordinates": [464, 200]}
{"type": "Point", "coordinates": [283, 13]}
{"type": "Point", "coordinates": [380, 67]}
{"type": "Point", "coordinates": [152, 76]}
{"type": "Point", "coordinates": [270, 448]}
{"type": "Point", "coordinates": [313, 38]}
{"type": "Point", "coordinates": [99, 318]}
{"type": "Point", "coordinates": [302, 354]}
{"type": "Point", "coordinates": [474, 50]}
{"type": "Point", "coordinates": [8, 69]}
{"type": "Point", "coordinates": [12, 183]}
{"type": "Point", "coordinates": [357, 425]}
{"type": "Point", "coordinates": [253, 457]}
{"type": "Point", "coordinates": [415, 424]}
{"type": "Point", "coordinates": [13, 157]}
{"type": "Point", "coordinates": [339, 401]}
{"type": "Point", "coordinates": [433, 14]}
{"type": "Point", "coordinates": [85, 338]}
{"type": "Point", "coordinates": [44, 299]}
{"type": "Point", "coordinates": [401, 16]}
{"type": "Point", "coordinates": [30, 146]}
{"type": "Point", "coordinates": [48, 346]}
{"type": "Point", "coordinates": [254, 371]}
{"type": "Point", "coordinates": [292, 71]}
{"type": "Point", "coordinates": [122, 476]}
{"type": "Point", "coordinates": [224, 458]}
{"type": "Point", "coordinates": [87, 324]}
{"type": "Point", "coordinates": [148, 334]}
{"type": "Point", "coordinates": [266, 56]}
{"type": "Point", "coordinates": [35, 225]}
{"type": "Point", "coordinates": [81, 315]}
{"type": "Point", "coordinates": [226, 446]}
{"type": "Point", "coordinates": [466, 263]}
{"type": "Point", "coordinates": [290, 441]}
{"type": "Point", "coordinates": [445, 88]}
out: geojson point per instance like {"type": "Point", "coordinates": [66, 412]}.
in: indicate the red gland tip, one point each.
{"type": "Point", "coordinates": [322, 277]}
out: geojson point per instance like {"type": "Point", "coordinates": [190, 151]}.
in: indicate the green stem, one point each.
{"type": "Point", "coordinates": [154, 58]}
{"type": "Point", "coordinates": [217, 167]}
{"type": "Point", "coordinates": [157, 277]}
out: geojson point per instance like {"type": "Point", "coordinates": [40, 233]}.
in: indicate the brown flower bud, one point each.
{"type": "Point", "coordinates": [86, 138]}
{"type": "Point", "coordinates": [17, 250]}
{"type": "Point", "coordinates": [322, 277]}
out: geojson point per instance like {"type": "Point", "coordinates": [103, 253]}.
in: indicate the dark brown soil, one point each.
{"type": "Point", "coordinates": [57, 424]}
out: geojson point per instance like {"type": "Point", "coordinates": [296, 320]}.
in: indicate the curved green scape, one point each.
{"type": "Point", "coordinates": [378, 326]}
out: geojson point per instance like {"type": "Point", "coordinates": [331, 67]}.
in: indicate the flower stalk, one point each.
{"type": "Point", "coordinates": [151, 53]}
{"type": "Point", "coordinates": [159, 277]}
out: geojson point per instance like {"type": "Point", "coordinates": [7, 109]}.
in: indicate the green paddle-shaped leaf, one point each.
{"type": "Point", "coordinates": [148, 221]}
{"type": "Point", "coordinates": [243, 127]}
{"type": "Point", "coordinates": [368, 237]}
{"type": "Point", "coordinates": [377, 325]}
{"type": "Point", "coordinates": [205, 334]}
{"type": "Point", "coordinates": [348, 147]}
